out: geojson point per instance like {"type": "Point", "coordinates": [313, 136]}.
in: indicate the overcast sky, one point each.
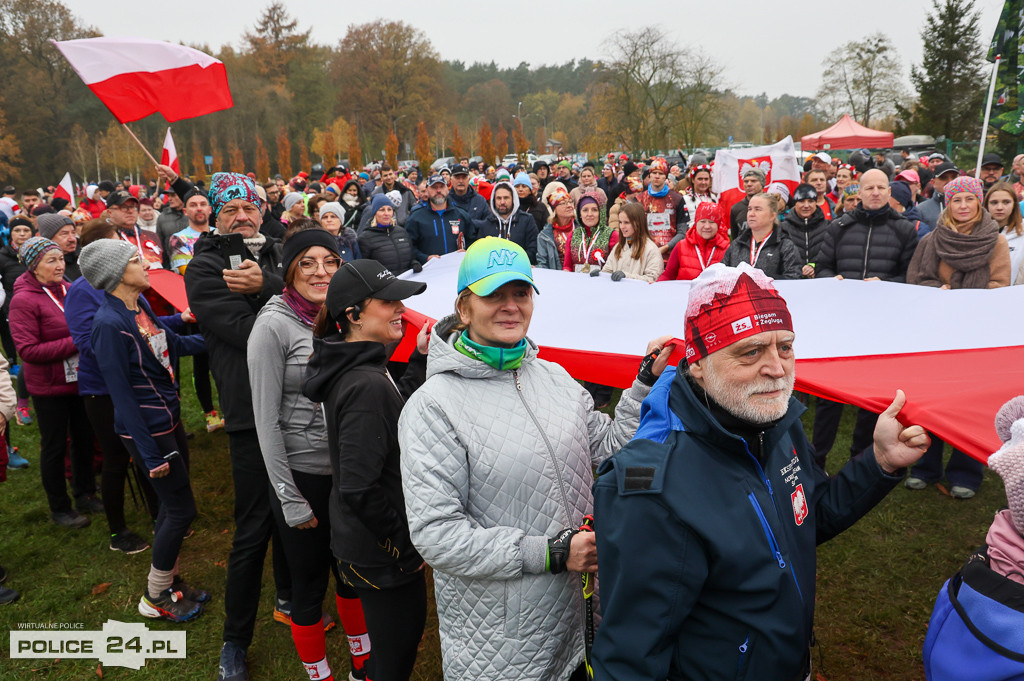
{"type": "Point", "coordinates": [775, 47]}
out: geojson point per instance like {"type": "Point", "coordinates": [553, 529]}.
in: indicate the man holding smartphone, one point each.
{"type": "Point", "coordinates": [234, 271]}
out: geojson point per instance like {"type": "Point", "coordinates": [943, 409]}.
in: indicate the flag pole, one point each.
{"type": "Point", "coordinates": [146, 151]}
{"type": "Point", "coordinates": [988, 110]}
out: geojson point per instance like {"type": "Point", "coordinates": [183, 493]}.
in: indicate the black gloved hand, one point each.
{"type": "Point", "coordinates": [644, 375]}
{"type": "Point", "coordinates": [558, 550]}
{"type": "Point", "coordinates": [595, 272]}
{"type": "Point", "coordinates": [618, 275]}
{"type": "Point", "coordinates": [416, 267]}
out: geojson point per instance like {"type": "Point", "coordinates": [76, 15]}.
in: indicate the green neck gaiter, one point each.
{"type": "Point", "coordinates": [502, 359]}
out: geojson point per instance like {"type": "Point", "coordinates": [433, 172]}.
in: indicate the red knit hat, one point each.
{"type": "Point", "coordinates": [728, 304]}
{"type": "Point", "coordinates": [659, 164]}
{"type": "Point", "coordinates": [708, 211]}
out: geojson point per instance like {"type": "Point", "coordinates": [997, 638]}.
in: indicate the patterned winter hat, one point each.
{"type": "Point", "coordinates": [708, 211]}
{"type": "Point", "coordinates": [558, 196]}
{"type": "Point", "coordinates": [964, 185]}
{"type": "Point", "coordinates": [32, 251]}
{"type": "Point", "coordinates": [728, 304]}
{"type": "Point", "coordinates": [1008, 461]}
{"type": "Point", "coordinates": [660, 165]}
{"type": "Point", "coordinates": [227, 186]}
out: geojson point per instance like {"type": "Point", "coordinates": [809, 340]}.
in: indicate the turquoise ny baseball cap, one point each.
{"type": "Point", "coordinates": [491, 263]}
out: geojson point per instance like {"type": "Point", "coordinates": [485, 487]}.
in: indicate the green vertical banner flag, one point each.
{"type": "Point", "coordinates": [1008, 42]}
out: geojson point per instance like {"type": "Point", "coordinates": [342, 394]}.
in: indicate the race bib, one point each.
{"type": "Point", "coordinates": [71, 369]}
{"type": "Point", "coordinates": [158, 343]}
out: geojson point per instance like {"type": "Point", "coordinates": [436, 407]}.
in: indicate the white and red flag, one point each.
{"type": "Point", "coordinates": [169, 156]}
{"type": "Point", "coordinates": [66, 190]}
{"type": "Point", "coordinates": [956, 355]}
{"type": "Point", "coordinates": [135, 77]}
{"type": "Point", "coordinates": [777, 162]}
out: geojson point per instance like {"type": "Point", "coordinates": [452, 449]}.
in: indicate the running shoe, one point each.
{"type": "Point", "coordinates": [14, 459]}
{"type": "Point", "coordinates": [128, 542]}
{"type": "Point", "coordinates": [197, 595]}
{"type": "Point", "coordinates": [170, 606]}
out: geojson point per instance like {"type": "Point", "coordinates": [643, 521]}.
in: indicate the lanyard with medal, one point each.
{"type": "Point", "coordinates": [754, 255]}
{"type": "Point", "coordinates": [590, 248]}
{"type": "Point", "coordinates": [711, 256]}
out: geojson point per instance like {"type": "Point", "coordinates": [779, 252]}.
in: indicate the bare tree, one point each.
{"type": "Point", "coordinates": [863, 78]}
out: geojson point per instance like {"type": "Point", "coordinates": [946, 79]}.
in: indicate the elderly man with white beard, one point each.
{"type": "Point", "coordinates": [707, 521]}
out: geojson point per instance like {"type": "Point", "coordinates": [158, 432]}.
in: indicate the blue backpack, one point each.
{"type": "Point", "coordinates": [977, 627]}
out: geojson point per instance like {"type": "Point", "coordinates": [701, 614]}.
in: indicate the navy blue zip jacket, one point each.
{"type": "Point", "coordinates": [706, 558]}
{"type": "Point", "coordinates": [80, 305]}
{"type": "Point", "coordinates": [144, 394]}
{"type": "Point", "coordinates": [431, 231]}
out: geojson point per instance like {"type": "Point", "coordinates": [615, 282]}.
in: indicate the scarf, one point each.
{"type": "Point", "coordinates": [304, 309]}
{"type": "Point", "coordinates": [604, 233]}
{"type": "Point", "coordinates": [255, 244]}
{"type": "Point", "coordinates": [351, 201]}
{"type": "Point", "coordinates": [561, 234]}
{"type": "Point", "coordinates": [967, 254]}
{"type": "Point", "coordinates": [502, 359]}
{"type": "Point", "coordinates": [660, 193]}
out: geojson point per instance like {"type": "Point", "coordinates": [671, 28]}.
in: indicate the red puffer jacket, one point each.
{"type": "Point", "coordinates": [41, 337]}
{"type": "Point", "coordinates": [687, 256]}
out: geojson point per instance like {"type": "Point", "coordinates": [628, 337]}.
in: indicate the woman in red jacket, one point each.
{"type": "Point", "coordinates": [50, 363]}
{"type": "Point", "coordinates": [704, 245]}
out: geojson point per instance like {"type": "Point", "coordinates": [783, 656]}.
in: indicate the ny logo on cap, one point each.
{"type": "Point", "coordinates": [502, 257]}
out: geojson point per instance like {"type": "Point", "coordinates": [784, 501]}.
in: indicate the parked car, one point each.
{"type": "Point", "coordinates": [509, 160]}
{"type": "Point", "coordinates": [409, 163]}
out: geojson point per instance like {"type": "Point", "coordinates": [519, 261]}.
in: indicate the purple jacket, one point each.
{"type": "Point", "coordinates": [41, 337]}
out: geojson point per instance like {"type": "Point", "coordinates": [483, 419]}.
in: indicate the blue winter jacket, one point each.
{"type": "Point", "coordinates": [707, 559]}
{"type": "Point", "coordinates": [144, 394]}
{"type": "Point", "coordinates": [431, 231]}
{"type": "Point", "coordinates": [80, 306]}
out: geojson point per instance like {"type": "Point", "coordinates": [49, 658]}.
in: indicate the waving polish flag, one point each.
{"type": "Point", "coordinates": [777, 161]}
{"type": "Point", "coordinates": [956, 354]}
{"type": "Point", "coordinates": [135, 77]}
{"type": "Point", "coordinates": [66, 190]}
{"type": "Point", "coordinates": [169, 156]}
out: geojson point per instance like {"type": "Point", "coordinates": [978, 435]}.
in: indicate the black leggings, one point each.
{"type": "Point", "coordinates": [116, 460]}
{"type": "Point", "coordinates": [395, 617]}
{"type": "Point", "coordinates": [309, 551]}
{"type": "Point", "coordinates": [201, 381]}
{"type": "Point", "coordinates": [58, 418]}
{"type": "Point", "coordinates": [177, 505]}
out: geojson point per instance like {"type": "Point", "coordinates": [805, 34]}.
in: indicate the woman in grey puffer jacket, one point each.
{"type": "Point", "coordinates": [498, 452]}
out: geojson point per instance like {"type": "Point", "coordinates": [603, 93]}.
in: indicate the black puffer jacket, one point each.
{"type": "Point", "coordinates": [806, 235]}
{"type": "Point", "coordinates": [390, 246]}
{"type": "Point", "coordinates": [863, 244]}
{"type": "Point", "coordinates": [778, 257]}
{"type": "Point", "coordinates": [226, 319]}
{"type": "Point", "coordinates": [10, 269]}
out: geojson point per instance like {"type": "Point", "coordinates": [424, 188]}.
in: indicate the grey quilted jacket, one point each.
{"type": "Point", "coordinates": [493, 464]}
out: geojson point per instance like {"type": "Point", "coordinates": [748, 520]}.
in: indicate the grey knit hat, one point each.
{"type": "Point", "coordinates": [104, 261]}
{"type": "Point", "coordinates": [50, 223]}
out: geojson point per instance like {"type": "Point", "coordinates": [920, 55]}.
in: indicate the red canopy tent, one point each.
{"type": "Point", "coordinates": [846, 134]}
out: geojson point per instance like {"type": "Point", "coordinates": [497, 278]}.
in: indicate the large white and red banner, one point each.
{"type": "Point", "coordinates": [135, 77]}
{"type": "Point", "coordinates": [777, 162]}
{"type": "Point", "coordinates": [958, 355]}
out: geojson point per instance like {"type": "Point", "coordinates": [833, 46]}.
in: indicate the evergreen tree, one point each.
{"type": "Point", "coordinates": [950, 81]}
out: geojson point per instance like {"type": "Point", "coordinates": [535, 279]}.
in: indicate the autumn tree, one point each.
{"type": "Point", "coordinates": [10, 152]}
{"type": "Point", "coordinates": [385, 70]}
{"type": "Point", "coordinates": [236, 160]}
{"type": "Point", "coordinates": [274, 42]}
{"type": "Point", "coordinates": [519, 142]}
{"type": "Point", "coordinates": [198, 166]}
{"type": "Point", "coordinates": [458, 145]}
{"type": "Point", "coordinates": [355, 152]}
{"type": "Point", "coordinates": [391, 149]}
{"type": "Point", "coordinates": [501, 142]}
{"type": "Point", "coordinates": [284, 153]}
{"type": "Point", "coordinates": [862, 78]}
{"type": "Point", "coordinates": [486, 143]}
{"type": "Point", "coordinates": [324, 146]}
{"type": "Point", "coordinates": [423, 155]}
{"type": "Point", "coordinates": [262, 161]}
{"type": "Point", "coordinates": [304, 163]}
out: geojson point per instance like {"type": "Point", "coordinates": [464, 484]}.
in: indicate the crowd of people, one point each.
{"type": "Point", "coordinates": [476, 457]}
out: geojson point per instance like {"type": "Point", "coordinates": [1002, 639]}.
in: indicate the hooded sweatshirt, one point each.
{"type": "Point", "coordinates": [517, 226]}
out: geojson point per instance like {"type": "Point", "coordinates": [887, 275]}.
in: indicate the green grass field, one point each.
{"type": "Point", "coordinates": [876, 583]}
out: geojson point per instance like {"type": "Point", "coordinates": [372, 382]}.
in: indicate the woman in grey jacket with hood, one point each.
{"type": "Point", "coordinates": [293, 440]}
{"type": "Point", "coordinates": [498, 451]}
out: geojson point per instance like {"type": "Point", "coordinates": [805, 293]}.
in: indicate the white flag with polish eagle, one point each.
{"type": "Point", "coordinates": [777, 162]}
